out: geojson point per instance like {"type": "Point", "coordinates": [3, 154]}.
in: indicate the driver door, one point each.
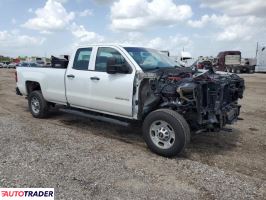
{"type": "Point", "coordinates": [111, 93]}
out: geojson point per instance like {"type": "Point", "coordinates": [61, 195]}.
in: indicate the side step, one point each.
{"type": "Point", "coordinates": [94, 116]}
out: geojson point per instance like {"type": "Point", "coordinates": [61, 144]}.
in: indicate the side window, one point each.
{"type": "Point", "coordinates": [105, 55]}
{"type": "Point", "coordinates": [82, 59]}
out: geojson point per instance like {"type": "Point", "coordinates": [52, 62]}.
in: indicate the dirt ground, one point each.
{"type": "Point", "coordinates": [86, 159]}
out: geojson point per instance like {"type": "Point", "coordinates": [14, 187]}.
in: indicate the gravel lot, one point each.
{"type": "Point", "coordinates": [85, 159]}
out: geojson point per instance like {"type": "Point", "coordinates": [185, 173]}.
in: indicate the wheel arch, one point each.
{"type": "Point", "coordinates": [32, 86]}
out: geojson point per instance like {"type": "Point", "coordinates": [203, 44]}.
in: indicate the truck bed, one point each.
{"type": "Point", "coordinates": [51, 80]}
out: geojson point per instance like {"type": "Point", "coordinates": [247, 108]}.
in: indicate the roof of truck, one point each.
{"type": "Point", "coordinates": [112, 44]}
{"type": "Point", "coordinates": [185, 54]}
{"type": "Point", "coordinates": [229, 53]}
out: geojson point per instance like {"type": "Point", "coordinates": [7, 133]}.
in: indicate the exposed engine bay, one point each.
{"type": "Point", "coordinates": [207, 100]}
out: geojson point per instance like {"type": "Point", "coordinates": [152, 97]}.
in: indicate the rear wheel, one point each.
{"type": "Point", "coordinates": [166, 132]}
{"type": "Point", "coordinates": [39, 108]}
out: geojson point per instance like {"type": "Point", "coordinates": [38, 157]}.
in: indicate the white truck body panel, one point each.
{"type": "Point", "coordinates": [111, 94]}
{"type": "Point", "coordinates": [185, 59]}
{"type": "Point", "coordinates": [261, 60]}
{"type": "Point", "coordinates": [51, 81]}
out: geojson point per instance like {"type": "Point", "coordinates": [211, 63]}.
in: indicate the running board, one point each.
{"type": "Point", "coordinates": [93, 116]}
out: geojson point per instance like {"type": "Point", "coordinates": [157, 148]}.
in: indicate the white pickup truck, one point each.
{"type": "Point", "coordinates": [125, 84]}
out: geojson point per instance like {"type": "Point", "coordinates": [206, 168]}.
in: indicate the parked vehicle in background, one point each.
{"type": "Point", "coordinates": [167, 53]}
{"type": "Point", "coordinates": [205, 64]}
{"type": "Point", "coordinates": [41, 63]}
{"type": "Point", "coordinates": [248, 65]}
{"type": "Point", "coordinates": [5, 64]}
{"type": "Point", "coordinates": [215, 61]}
{"type": "Point", "coordinates": [29, 64]}
{"type": "Point", "coordinates": [252, 61]}
{"type": "Point", "coordinates": [12, 65]}
{"type": "Point", "coordinates": [186, 58]}
{"type": "Point", "coordinates": [229, 61]}
{"type": "Point", "coordinates": [1, 65]}
{"type": "Point", "coordinates": [123, 84]}
{"type": "Point", "coordinates": [261, 60]}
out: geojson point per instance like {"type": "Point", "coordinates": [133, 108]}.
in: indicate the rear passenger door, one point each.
{"type": "Point", "coordinates": [112, 93]}
{"type": "Point", "coordinates": [77, 79]}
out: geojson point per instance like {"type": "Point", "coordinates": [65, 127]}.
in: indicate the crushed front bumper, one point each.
{"type": "Point", "coordinates": [217, 103]}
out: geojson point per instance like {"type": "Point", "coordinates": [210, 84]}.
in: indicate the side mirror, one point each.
{"type": "Point", "coordinates": [113, 68]}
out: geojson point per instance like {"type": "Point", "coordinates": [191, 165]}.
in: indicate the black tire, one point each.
{"type": "Point", "coordinates": [178, 124]}
{"type": "Point", "coordinates": [36, 96]}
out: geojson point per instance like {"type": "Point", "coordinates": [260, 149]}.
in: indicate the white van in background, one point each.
{"type": "Point", "coordinates": [184, 58]}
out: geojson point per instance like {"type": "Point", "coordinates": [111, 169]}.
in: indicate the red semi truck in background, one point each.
{"type": "Point", "coordinates": [230, 61]}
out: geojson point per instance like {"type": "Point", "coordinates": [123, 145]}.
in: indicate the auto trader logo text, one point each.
{"type": "Point", "coordinates": [27, 193]}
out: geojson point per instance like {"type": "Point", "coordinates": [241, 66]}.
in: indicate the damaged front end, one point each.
{"type": "Point", "coordinates": [207, 100]}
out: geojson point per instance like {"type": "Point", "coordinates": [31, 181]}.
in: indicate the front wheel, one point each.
{"type": "Point", "coordinates": [166, 132]}
{"type": "Point", "coordinates": [38, 106]}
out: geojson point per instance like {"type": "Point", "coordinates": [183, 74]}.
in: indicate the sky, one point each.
{"type": "Point", "coordinates": [202, 27]}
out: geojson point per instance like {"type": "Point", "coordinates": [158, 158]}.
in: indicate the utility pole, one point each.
{"type": "Point", "coordinates": [257, 49]}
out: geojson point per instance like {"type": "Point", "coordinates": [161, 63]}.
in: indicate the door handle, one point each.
{"type": "Point", "coordinates": [95, 78]}
{"type": "Point", "coordinates": [70, 76]}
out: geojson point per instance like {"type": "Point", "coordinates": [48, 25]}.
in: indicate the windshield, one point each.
{"type": "Point", "coordinates": [150, 59]}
